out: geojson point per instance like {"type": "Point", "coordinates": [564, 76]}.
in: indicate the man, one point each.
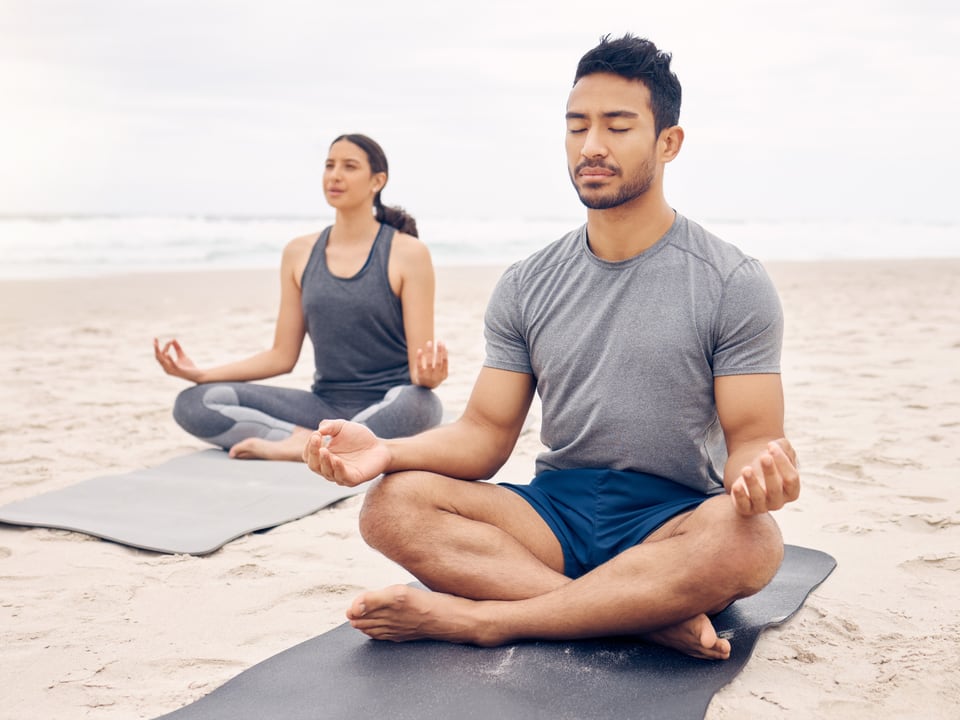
{"type": "Point", "coordinates": [655, 349]}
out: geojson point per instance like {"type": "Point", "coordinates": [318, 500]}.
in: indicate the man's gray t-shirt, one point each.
{"type": "Point", "coordinates": [625, 353]}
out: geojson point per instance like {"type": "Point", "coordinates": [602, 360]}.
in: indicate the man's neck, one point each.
{"type": "Point", "coordinates": [625, 231]}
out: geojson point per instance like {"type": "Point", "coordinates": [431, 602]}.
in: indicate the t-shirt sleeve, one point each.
{"type": "Point", "coordinates": [506, 347]}
{"type": "Point", "coordinates": [749, 328]}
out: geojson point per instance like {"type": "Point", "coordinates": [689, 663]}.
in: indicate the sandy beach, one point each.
{"type": "Point", "coordinates": [93, 629]}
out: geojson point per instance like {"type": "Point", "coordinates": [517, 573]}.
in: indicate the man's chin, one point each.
{"type": "Point", "coordinates": [599, 202]}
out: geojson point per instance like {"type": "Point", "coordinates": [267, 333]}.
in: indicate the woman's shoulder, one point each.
{"type": "Point", "coordinates": [301, 245]}
{"type": "Point", "coordinates": [296, 254]}
{"type": "Point", "coordinates": [408, 248]}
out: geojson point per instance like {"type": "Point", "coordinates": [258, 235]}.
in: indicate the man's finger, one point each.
{"type": "Point", "coordinates": [756, 490]}
{"type": "Point", "coordinates": [772, 482]}
{"type": "Point", "coordinates": [741, 497]}
{"type": "Point", "coordinates": [790, 477]}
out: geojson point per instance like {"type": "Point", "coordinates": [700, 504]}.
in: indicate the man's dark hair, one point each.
{"type": "Point", "coordinates": [637, 58]}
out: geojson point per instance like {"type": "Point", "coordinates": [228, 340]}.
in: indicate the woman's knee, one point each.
{"type": "Point", "coordinates": [406, 410]}
{"type": "Point", "coordinates": [193, 412]}
{"type": "Point", "coordinates": [433, 409]}
{"type": "Point", "coordinates": [188, 406]}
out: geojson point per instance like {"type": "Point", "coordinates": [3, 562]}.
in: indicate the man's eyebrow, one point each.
{"type": "Point", "coordinates": [611, 114]}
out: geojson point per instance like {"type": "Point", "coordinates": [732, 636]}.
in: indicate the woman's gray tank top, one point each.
{"type": "Point", "coordinates": [355, 324]}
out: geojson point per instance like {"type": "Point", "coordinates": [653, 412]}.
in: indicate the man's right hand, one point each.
{"type": "Point", "coordinates": [346, 453]}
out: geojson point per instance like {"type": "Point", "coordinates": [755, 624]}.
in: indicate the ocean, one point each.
{"type": "Point", "coordinates": [75, 246]}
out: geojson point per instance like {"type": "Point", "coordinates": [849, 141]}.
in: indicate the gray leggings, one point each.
{"type": "Point", "coordinates": [226, 413]}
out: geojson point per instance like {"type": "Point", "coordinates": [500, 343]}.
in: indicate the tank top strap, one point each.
{"type": "Point", "coordinates": [378, 259]}
{"type": "Point", "coordinates": [317, 262]}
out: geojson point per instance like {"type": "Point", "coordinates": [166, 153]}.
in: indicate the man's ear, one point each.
{"type": "Point", "coordinates": [670, 142]}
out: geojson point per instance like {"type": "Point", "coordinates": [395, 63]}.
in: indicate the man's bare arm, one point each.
{"type": "Point", "coordinates": [477, 444]}
{"type": "Point", "coordinates": [761, 471]}
{"type": "Point", "coordinates": [472, 448]}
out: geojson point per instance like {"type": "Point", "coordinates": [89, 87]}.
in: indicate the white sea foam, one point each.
{"type": "Point", "coordinates": [37, 247]}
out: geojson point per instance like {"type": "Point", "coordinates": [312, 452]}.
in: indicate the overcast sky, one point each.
{"type": "Point", "coordinates": [792, 109]}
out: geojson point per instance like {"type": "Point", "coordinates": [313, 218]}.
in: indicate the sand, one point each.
{"type": "Point", "coordinates": [92, 629]}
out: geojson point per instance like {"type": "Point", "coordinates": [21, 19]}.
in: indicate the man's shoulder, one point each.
{"type": "Point", "coordinates": [704, 248]}
{"type": "Point", "coordinates": [559, 252]}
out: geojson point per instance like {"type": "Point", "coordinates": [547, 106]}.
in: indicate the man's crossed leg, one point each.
{"type": "Point", "coordinates": [496, 569]}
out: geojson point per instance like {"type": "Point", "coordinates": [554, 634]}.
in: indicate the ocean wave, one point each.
{"type": "Point", "coordinates": [63, 246]}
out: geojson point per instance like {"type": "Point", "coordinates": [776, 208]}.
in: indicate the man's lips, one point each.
{"type": "Point", "coordinates": [595, 172]}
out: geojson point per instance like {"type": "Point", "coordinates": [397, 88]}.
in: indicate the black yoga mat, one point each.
{"type": "Point", "coordinates": [342, 675]}
{"type": "Point", "coordinates": [193, 504]}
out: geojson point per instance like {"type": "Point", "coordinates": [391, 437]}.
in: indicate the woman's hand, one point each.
{"type": "Point", "coordinates": [176, 363]}
{"type": "Point", "coordinates": [432, 364]}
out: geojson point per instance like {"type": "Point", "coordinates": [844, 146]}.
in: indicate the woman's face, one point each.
{"type": "Point", "coordinates": [347, 180]}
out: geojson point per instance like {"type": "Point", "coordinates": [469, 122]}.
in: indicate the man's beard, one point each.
{"type": "Point", "coordinates": [633, 189]}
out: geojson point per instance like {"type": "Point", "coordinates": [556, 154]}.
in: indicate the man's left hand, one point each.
{"type": "Point", "coordinates": [769, 482]}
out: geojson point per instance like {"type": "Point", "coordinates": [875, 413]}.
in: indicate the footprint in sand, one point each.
{"type": "Point", "coordinates": [922, 498]}
{"type": "Point", "coordinates": [924, 523]}
{"type": "Point", "coordinates": [320, 590]}
{"type": "Point", "coordinates": [943, 562]}
{"type": "Point", "coordinates": [5, 552]}
{"type": "Point", "coordinates": [248, 570]}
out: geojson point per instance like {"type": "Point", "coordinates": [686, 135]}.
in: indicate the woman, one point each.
{"type": "Point", "coordinates": [363, 290]}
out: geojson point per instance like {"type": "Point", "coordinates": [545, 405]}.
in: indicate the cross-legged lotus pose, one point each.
{"type": "Point", "coordinates": [363, 290]}
{"type": "Point", "coordinates": [655, 349]}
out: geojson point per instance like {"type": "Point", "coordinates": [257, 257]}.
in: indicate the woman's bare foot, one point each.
{"type": "Point", "coordinates": [400, 613]}
{"type": "Point", "coordinates": [696, 637]}
{"type": "Point", "coordinates": [290, 448]}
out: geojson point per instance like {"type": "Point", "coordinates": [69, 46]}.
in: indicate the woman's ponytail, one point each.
{"type": "Point", "coordinates": [395, 216]}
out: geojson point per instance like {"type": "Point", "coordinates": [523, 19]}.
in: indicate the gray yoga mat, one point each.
{"type": "Point", "coordinates": [193, 504]}
{"type": "Point", "coordinates": [342, 675]}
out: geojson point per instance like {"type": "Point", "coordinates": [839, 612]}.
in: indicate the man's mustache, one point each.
{"type": "Point", "coordinates": [596, 164]}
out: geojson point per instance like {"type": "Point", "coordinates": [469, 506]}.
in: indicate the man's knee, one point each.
{"type": "Point", "coordinates": [388, 508]}
{"type": "Point", "coordinates": [747, 551]}
{"type": "Point", "coordinates": [758, 552]}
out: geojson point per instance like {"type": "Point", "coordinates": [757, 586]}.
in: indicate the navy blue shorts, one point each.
{"type": "Point", "coordinates": [597, 514]}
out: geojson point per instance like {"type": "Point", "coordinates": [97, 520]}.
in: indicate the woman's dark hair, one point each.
{"type": "Point", "coordinates": [637, 58]}
{"type": "Point", "coordinates": [394, 216]}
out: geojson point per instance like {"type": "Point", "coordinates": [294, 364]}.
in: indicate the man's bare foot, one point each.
{"type": "Point", "coordinates": [696, 637]}
{"type": "Point", "coordinates": [290, 448]}
{"type": "Point", "coordinates": [400, 613]}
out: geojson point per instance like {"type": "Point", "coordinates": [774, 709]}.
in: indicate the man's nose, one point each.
{"type": "Point", "coordinates": [593, 145]}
